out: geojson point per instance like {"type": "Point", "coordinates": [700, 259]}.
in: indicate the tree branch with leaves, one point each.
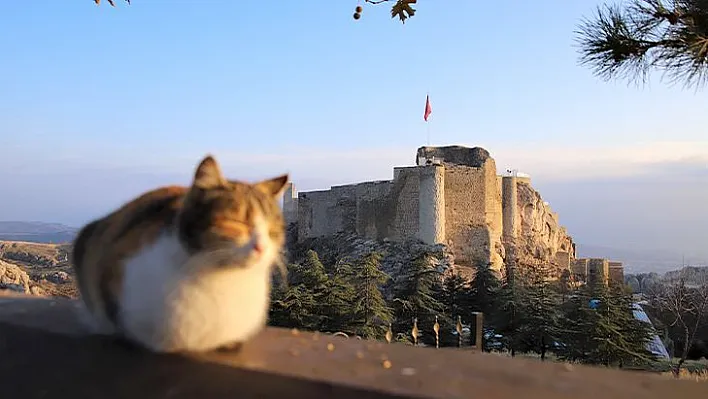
{"type": "Point", "coordinates": [629, 41]}
{"type": "Point", "coordinates": [402, 9]}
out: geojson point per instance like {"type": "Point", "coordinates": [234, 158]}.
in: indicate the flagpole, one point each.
{"type": "Point", "coordinates": [427, 122]}
{"type": "Point", "coordinates": [427, 127]}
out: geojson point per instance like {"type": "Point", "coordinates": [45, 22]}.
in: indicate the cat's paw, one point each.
{"type": "Point", "coordinates": [231, 347]}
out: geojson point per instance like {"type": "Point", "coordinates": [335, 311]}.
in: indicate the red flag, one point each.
{"type": "Point", "coordinates": [428, 108]}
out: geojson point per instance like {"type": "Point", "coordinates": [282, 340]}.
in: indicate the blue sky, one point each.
{"type": "Point", "coordinates": [100, 103]}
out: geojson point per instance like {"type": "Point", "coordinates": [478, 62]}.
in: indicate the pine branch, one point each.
{"type": "Point", "coordinates": [630, 42]}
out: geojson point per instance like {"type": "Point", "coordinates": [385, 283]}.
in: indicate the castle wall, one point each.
{"type": "Point", "coordinates": [405, 195]}
{"type": "Point", "coordinates": [598, 271]}
{"type": "Point", "coordinates": [510, 211]}
{"type": "Point", "coordinates": [374, 214]}
{"type": "Point", "coordinates": [616, 271]}
{"type": "Point", "coordinates": [290, 204]}
{"type": "Point", "coordinates": [453, 196]}
{"type": "Point", "coordinates": [465, 214]}
{"type": "Point", "coordinates": [431, 209]}
{"type": "Point", "coordinates": [500, 184]}
{"type": "Point", "coordinates": [374, 210]}
{"type": "Point", "coordinates": [579, 268]}
{"type": "Point", "coordinates": [494, 214]}
{"type": "Point", "coordinates": [327, 212]}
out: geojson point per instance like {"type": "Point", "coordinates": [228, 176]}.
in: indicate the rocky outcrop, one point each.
{"type": "Point", "coordinates": [540, 235]}
{"type": "Point", "coordinates": [13, 278]}
{"type": "Point", "coordinates": [397, 256]}
{"type": "Point", "coordinates": [30, 258]}
{"type": "Point", "coordinates": [455, 155]}
{"type": "Point", "coordinates": [58, 277]}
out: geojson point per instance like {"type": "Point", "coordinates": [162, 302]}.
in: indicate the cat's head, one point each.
{"type": "Point", "coordinates": [242, 220]}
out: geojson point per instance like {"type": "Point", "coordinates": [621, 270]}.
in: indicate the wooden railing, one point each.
{"type": "Point", "coordinates": [45, 354]}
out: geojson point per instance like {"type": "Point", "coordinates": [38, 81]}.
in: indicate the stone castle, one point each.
{"type": "Point", "coordinates": [452, 196]}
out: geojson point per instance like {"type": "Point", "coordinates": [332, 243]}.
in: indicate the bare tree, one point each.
{"type": "Point", "coordinates": [632, 39]}
{"type": "Point", "coordinates": [687, 303]}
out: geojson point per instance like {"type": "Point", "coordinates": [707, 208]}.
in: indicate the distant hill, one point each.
{"type": "Point", "coordinates": [37, 232]}
{"type": "Point", "coordinates": [693, 275]}
{"type": "Point", "coordinates": [638, 261]}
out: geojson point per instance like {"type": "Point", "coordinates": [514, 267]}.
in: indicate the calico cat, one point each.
{"type": "Point", "coordinates": [184, 269]}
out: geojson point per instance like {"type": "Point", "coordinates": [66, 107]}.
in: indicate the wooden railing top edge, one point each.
{"type": "Point", "coordinates": [352, 368]}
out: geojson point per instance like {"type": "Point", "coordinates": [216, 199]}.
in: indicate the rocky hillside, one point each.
{"type": "Point", "coordinates": [540, 234]}
{"type": "Point", "coordinates": [350, 247]}
{"type": "Point", "coordinates": [38, 269]}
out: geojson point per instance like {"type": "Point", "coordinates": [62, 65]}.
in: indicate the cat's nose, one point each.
{"type": "Point", "coordinates": [258, 247]}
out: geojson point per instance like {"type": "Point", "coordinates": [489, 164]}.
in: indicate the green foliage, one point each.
{"type": "Point", "coordinates": [415, 295]}
{"type": "Point", "coordinates": [456, 300]}
{"type": "Point", "coordinates": [291, 305]}
{"type": "Point", "coordinates": [631, 39]}
{"type": "Point", "coordinates": [507, 319]}
{"type": "Point", "coordinates": [338, 295]}
{"type": "Point", "coordinates": [313, 300]}
{"type": "Point", "coordinates": [371, 314]}
{"type": "Point", "coordinates": [576, 323]}
{"type": "Point", "coordinates": [484, 290]}
{"type": "Point", "coordinates": [540, 322]}
{"type": "Point", "coordinates": [527, 310]}
{"type": "Point", "coordinates": [609, 334]}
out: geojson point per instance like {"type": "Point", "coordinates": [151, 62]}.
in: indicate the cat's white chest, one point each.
{"type": "Point", "coordinates": [168, 308]}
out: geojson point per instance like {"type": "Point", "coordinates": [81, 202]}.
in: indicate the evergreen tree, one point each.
{"type": "Point", "coordinates": [291, 305]}
{"type": "Point", "coordinates": [339, 295]}
{"type": "Point", "coordinates": [540, 322]}
{"type": "Point", "coordinates": [627, 338]}
{"type": "Point", "coordinates": [314, 300]}
{"type": "Point", "coordinates": [564, 285]}
{"type": "Point", "coordinates": [510, 309]}
{"type": "Point", "coordinates": [484, 289]}
{"type": "Point", "coordinates": [414, 296]}
{"type": "Point", "coordinates": [576, 322]}
{"type": "Point", "coordinates": [370, 312]}
{"type": "Point", "coordinates": [456, 298]}
{"type": "Point", "coordinates": [600, 328]}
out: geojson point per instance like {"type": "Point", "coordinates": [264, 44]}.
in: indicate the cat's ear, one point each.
{"type": "Point", "coordinates": [273, 187]}
{"type": "Point", "coordinates": [208, 174]}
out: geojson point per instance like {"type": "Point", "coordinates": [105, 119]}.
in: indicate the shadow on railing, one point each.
{"type": "Point", "coordinates": [44, 353]}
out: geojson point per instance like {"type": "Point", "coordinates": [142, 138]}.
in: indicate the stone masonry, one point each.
{"type": "Point", "coordinates": [453, 196]}
{"type": "Point", "coordinates": [594, 271]}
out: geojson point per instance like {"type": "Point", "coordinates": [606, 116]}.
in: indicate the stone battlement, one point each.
{"type": "Point", "coordinates": [597, 271]}
{"type": "Point", "coordinates": [453, 196]}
